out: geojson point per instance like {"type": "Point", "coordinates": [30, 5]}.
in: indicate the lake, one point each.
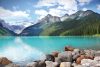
{"type": "Point", "coordinates": [34, 48]}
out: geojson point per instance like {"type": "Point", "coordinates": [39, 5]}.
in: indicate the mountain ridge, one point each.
{"type": "Point", "coordinates": [4, 31]}
{"type": "Point", "coordinates": [73, 22]}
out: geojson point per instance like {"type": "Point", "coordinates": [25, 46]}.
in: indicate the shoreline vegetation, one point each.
{"type": "Point", "coordinates": [70, 57]}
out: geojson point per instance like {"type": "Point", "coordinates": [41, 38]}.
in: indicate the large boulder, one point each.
{"type": "Point", "coordinates": [90, 52]}
{"type": "Point", "coordinates": [41, 64]}
{"type": "Point", "coordinates": [50, 57]}
{"type": "Point", "coordinates": [75, 54]}
{"type": "Point", "coordinates": [89, 63]}
{"type": "Point", "coordinates": [4, 61]}
{"type": "Point", "coordinates": [65, 64]}
{"type": "Point", "coordinates": [79, 66]}
{"type": "Point", "coordinates": [78, 60]}
{"type": "Point", "coordinates": [97, 53]}
{"type": "Point", "coordinates": [68, 48]}
{"type": "Point", "coordinates": [64, 57]}
{"type": "Point", "coordinates": [97, 58]}
{"type": "Point", "coordinates": [51, 64]}
{"type": "Point", "coordinates": [76, 50]}
{"type": "Point", "coordinates": [82, 52]}
{"type": "Point", "coordinates": [97, 65]}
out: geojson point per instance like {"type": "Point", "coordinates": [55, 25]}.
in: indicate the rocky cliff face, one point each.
{"type": "Point", "coordinates": [50, 19]}
{"type": "Point", "coordinates": [64, 17]}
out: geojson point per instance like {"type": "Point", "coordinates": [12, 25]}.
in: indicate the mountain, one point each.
{"type": "Point", "coordinates": [16, 28]}
{"type": "Point", "coordinates": [37, 28]}
{"type": "Point", "coordinates": [64, 17]}
{"type": "Point", "coordinates": [80, 14]}
{"type": "Point", "coordinates": [79, 23]}
{"type": "Point", "coordinates": [50, 19]}
{"type": "Point", "coordinates": [4, 31]}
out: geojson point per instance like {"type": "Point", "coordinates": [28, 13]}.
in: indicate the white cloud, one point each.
{"type": "Point", "coordinates": [19, 14]}
{"type": "Point", "coordinates": [41, 13]}
{"type": "Point", "coordinates": [28, 11]}
{"type": "Point", "coordinates": [13, 17]}
{"type": "Point", "coordinates": [47, 3]}
{"type": "Point", "coordinates": [62, 7]}
{"type": "Point", "coordinates": [56, 12]}
{"type": "Point", "coordinates": [98, 7]}
{"type": "Point", "coordinates": [84, 9]}
{"type": "Point", "coordinates": [83, 2]}
{"type": "Point", "coordinates": [68, 4]}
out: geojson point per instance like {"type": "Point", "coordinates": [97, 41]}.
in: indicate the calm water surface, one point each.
{"type": "Point", "coordinates": [35, 48]}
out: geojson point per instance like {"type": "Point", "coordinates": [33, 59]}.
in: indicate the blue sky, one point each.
{"type": "Point", "coordinates": [25, 11]}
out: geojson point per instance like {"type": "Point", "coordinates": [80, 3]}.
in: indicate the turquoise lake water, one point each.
{"type": "Point", "coordinates": [35, 48]}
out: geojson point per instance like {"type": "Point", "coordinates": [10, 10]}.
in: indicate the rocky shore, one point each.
{"type": "Point", "coordinates": [70, 57]}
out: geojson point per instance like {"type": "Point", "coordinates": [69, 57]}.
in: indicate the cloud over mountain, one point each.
{"type": "Point", "coordinates": [13, 16]}
{"type": "Point", "coordinates": [57, 7]}
{"type": "Point", "coordinates": [15, 12]}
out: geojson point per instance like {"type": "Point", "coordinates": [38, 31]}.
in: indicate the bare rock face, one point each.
{"type": "Point", "coordinates": [50, 19]}
{"type": "Point", "coordinates": [5, 61]}
{"type": "Point", "coordinates": [64, 17]}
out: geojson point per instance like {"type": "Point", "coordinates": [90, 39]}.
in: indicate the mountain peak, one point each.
{"type": "Point", "coordinates": [77, 15]}
{"type": "Point", "coordinates": [49, 15]}
{"type": "Point", "coordinates": [88, 12]}
{"type": "Point", "coordinates": [50, 19]}
{"type": "Point", "coordinates": [64, 17]}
